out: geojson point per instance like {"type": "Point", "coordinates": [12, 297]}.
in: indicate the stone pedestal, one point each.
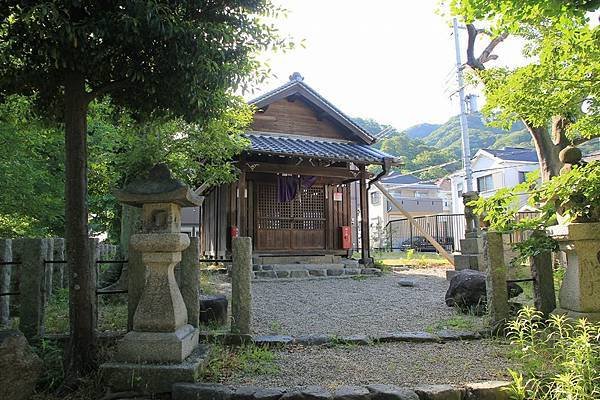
{"type": "Point", "coordinates": [580, 291]}
{"type": "Point", "coordinates": [162, 342]}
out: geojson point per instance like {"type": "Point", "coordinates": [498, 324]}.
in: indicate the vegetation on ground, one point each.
{"type": "Point", "coordinates": [409, 258]}
{"type": "Point", "coordinates": [247, 359]}
{"type": "Point", "coordinates": [557, 359]}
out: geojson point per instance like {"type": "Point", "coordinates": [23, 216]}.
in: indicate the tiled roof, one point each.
{"type": "Point", "coordinates": [296, 84]}
{"type": "Point", "coordinates": [399, 179]}
{"type": "Point", "coordinates": [332, 150]}
{"type": "Point", "coordinates": [514, 154]}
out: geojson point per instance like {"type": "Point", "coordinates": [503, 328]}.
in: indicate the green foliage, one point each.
{"type": "Point", "coordinates": [562, 77]}
{"type": "Point", "coordinates": [560, 360]}
{"type": "Point", "coordinates": [575, 194]}
{"type": "Point", "coordinates": [225, 362]}
{"type": "Point", "coordinates": [31, 166]}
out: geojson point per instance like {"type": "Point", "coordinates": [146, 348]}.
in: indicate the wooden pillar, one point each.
{"type": "Point", "coordinates": [364, 219]}
{"type": "Point", "coordinates": [243, 204]}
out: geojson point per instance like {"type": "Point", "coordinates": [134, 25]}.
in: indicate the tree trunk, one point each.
{"type": "Point", "coordinates": [81, 352]}
{"type": "Point", "coordinates": [547, 152]}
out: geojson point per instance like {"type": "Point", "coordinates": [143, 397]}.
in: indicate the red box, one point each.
{"type": "Point", "coordinates": [346, 234]}
{"type": "Point", "coordinates": [234, 231]}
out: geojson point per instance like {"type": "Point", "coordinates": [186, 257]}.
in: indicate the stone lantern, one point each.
{"type": "Point", "coordinates": [161, 333]}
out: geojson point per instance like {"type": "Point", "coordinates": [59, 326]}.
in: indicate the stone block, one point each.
{"type": "Point", "coordinates": [370, 271]}
{"type": "Point", "coordinates": [351, 271]}
{"type": "Point", "coordinates": [414, 337]}
{"type": "Point", "coordinates": [351, 393]}
{"type": "Point", "coordinates": [190, 281]}
{"type": "Point", "coordinates": [317, 272]}
{"type": "Point", "coordinates": [439, 392]}
{"type": "Point", "coordinates": [265, 274]}
{"type": "Point", "coordinates": [356, 339]}
{"type": "Point", "coordinates": [313, 340]}
{"type": "Point", "coordinates": [448, 335]}
{"type": "Point", "coordinates": [391, 392]}
{"type": "Point", "coordinates": [450, 274]}
{"type": "Point", "coordinates": [201, 391]}
{"type": "Point", "coordinates": [308, 393]}
{"type": "Point", "coordinates": [157, 347]}
{"type": "Point", "coordinates": [268, 394]}
{"type": "Point", "coordinates": [20, 366]}
{"type": "Point", "coordinates": [272, 340]}
{"type": "Point", "coordinates": [267, 268]}
{"type": "Point", "coordinates": [213, 309]}
{"type": "Point", "coordinates": [282, 274]}
{"type": "Point", "coordinates": [466, 261]}
{"type": "Point", "coordinates": [256, 267]}
{"type": "Point", "coordinates": [489, 390]}
{"type": "Point", "coordinates": [471, 245]}
{"type": "Point", "coordinates": [153, 378]}
{"type": "Point", "coordinates": [299, 274]}
{"type": "Point", "coordinates": [335, 271]}
{"type": "Point", "coordinates": [406, 282]}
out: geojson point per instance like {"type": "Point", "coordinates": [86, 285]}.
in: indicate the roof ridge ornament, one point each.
{"type": "Point", "coordinates": [296, 77]}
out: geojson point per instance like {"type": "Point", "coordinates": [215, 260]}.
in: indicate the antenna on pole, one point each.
{"type": "Point", "coordinates": [464, 127]}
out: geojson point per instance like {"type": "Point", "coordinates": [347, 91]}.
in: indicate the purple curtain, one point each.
{"type": "Point", "coordinates": [308, 181]}
{"type": "Point", "coordinates": [287, 188]}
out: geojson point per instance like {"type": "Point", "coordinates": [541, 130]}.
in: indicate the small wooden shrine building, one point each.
{"type": "Point", "coordinates": [293, 192]}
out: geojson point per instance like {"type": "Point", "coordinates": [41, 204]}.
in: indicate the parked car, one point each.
{"type": "Point", "coordinates": [419, 243]}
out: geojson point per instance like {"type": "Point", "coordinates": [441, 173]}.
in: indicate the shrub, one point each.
{"type": "Point", "coordinates": [559, 359]}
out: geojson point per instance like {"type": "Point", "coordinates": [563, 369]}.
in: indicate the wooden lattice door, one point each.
{"type": "Point", "coordinates": [294, 225]}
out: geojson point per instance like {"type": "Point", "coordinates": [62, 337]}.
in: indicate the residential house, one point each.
{"type": "Point", "coordinates": [494, 169]}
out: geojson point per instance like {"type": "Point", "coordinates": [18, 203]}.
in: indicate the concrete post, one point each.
{"type": "Point", "coordinates": [59, 278]}
{"type": "Point", "coordinates": [5, 275]}
{"type": "Point", "coordinates": [31, 254]}
{"type": "Point", "coordinates": [544, 296]}
{"type": "Point", "coordinates": [48, 270]}
{"type": "Point", "coordinates": [190, 281]}
{"type": "Point", "coordinates": [496, 287]}
{"type": "Point", "coordinates": [241, 290]}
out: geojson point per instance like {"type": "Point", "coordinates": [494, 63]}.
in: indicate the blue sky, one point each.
{"type": "Point", "coordinates": [384, 59]}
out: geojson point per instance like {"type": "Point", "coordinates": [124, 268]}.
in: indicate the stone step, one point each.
{"type": "Point", "coordinates": [467, 261]}
{"type": "Point", "coordinates": [314, 272]}
{"type": "Point", "coordinates": [295, 267]}
{"type": "Point", "coordinates": [316, 259]}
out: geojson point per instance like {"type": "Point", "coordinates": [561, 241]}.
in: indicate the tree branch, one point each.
{"type": "Point", "coordinates": [486, 55]}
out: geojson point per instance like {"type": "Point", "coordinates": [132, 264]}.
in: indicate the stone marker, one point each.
{"type": "Point", "coordinates": [5, 278]}
{"type": "Point", "coordinates": [579, 295]}
{"type": "Point", "coordinates": [31, 254]}
{"type": "Point", "coordinates": [48, 270]}
{"type": "Point", "coordinates": [59, 278]}
{"type": "Point", "coordinates": [190, 280]}
{"type": "Point", "coordinates": [20, 366]}
{"type": "Point", "coordinates": [241, 290]}
{"type": "Point", "coordinates": [497, 291]}
{"type": "Point", "coordinates": [544, 295]}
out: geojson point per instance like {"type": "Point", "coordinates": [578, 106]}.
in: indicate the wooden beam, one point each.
{"type": "Point", "coordinates": [332, 172]}
{"type": "Point", "coordinates": [364, 219]}
{"type": "Point", "coordinates": [261, 117]}
{"type": "Point", "coordinates": [419, 228]}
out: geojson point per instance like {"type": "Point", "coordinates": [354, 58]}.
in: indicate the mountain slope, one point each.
{"type": "Point", "coordinates": [421, 130]}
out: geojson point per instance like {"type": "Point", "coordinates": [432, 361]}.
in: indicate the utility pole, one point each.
{"type": "Point", "coordinates": [464, 127]}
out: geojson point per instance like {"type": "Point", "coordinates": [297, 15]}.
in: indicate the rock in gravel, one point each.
{"type": "Point", "coordinates": [415, 337]}
{"type": "Point", "coordinates": [335, 271]}
{"type": "Point", "coordinates": [406, 282]}
{"type": "Point", "coordinates": [439, 392]}
{"type": "Point", "coordinates": [351, 393]}
{"type": "Point", "coordinates": [467, 291]}
{"type": "Point", "coordinates": [391, 392]}
{"type": "Point", "coordinates": [308, 393]}
{"type": "Point", "coordinates": [265, 274]}
{"type": "Point", "coordinates": [244, 393]}
{"type": "Point", "coordinates": [370, 271]}
{"type": "Point", "coordinates": [490, 390]}
{"type": "Point", "coordinates": [357, 339]}
{"type": "Point", "coordinates": [351, 271]}
{"type": "Point", "coordinates": [200, 391]}
{"type": "Point", "coordinates": [20, 366]}
{"type": "Point", "coordinates": [299, 273]}
{"type": "Point", "coordinates": [317, 272]}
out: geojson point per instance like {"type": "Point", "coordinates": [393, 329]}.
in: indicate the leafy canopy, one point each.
{"type": "Point", "coordinates": [151, 56]}
{"type": "Point", "coordinates": [563, 76]}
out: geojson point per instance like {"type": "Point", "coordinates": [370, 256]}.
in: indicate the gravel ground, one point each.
{"type": "Point", "coordinates": [369, 306]}
{"type": "Point", "coordinates": [402, 364]}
